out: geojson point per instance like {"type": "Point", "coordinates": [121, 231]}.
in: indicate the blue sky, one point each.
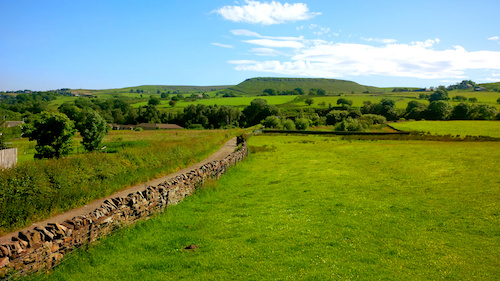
{"type": "Point", "coordinates": [111, 44]}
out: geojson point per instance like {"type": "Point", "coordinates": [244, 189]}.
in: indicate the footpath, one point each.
{"type": "Point", "coordinates": [224, 151]}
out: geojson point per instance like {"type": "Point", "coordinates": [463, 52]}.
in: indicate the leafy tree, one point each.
{"type": "Point", "coordinates": [440, 94]}
{"type": "Point", "coordinates": [300, 91]}
{"type": "Point", "coordinates": [288, 125]}
{"type": "Point", "coordinates": [415, 110]}
{"type": "Point", "coordinates": [498, 100]}
{"type": "Point", "coordinates": [271, 122]}
{"type": "Point", "coordinates": [439, 110]}
{"type": "Point", "coordinates": [93, 128]}
{"type": "Point", "coordinates": [345, 103]}
{"type": "Point", "coordinates": [309, 101]}
{"type": "Point", "coordinates": [461, 112]}
{"type": "Point", "coordinates": [270, 92]}
{"type": "Point", "coordinates": [154, 101]}
{"type": "Point", "coordinates": [484, 112]}
{"type": "Point", "coordinates": [336, 116]}
{"type": "Point", "coordinates": [53, 133]}
{"type": "Point", "coordinates": [473, 99]}
{"type": "Point", "coordinates": [164, 95]}
{"type": "Point", "coordinates": [302, 123]}
{"type": "Point", "coordinates": [257, 111]}
{"type": "Point", "coordinates": [459, 98]}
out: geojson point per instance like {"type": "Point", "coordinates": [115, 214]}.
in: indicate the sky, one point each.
{"type": "Point", "coordinates": [101, 44]}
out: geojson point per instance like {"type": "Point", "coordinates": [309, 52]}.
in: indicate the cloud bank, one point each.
{"type": "Point", "coordinates": [266, 13]}
{"type": "Point", "coordinates": [319, 58]}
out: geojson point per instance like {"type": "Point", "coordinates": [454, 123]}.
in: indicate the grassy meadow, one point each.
{"type": "Point", "coordinates": [317, 208]}
{"type": "Point", "coordinates": [454, 128]}
{"type": "Point", "coordinates": [38, 189]}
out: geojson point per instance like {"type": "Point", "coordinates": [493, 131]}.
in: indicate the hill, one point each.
{"type": "Point", "coordinates": [256, 86]}
{"type": "Point", "coordinates": [491, 86]}
{"type": "Point", "coordinates": [153, 89]}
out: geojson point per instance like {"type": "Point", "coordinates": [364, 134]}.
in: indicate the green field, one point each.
{"type": "Point", "coordinates": [318, 208]}
{"type": "Point", "coordinates": [454, 128]}
{"type": "Point", "coordinates": [235, 101]}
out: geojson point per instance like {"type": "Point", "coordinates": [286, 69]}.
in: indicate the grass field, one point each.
{"type": "Point", "coordinates": [235, 101]}
{"type": "Point", "coordinates": [317, 208]}
{"type": "Point", "coordinates": [455, 127]}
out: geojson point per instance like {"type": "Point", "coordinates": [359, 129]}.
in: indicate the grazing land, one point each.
{"type": "Point", "coordinates": [454, 128]}
{"type": "Point", "coordinates": [317, 208]}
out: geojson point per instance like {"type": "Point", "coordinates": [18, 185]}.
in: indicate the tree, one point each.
{"type": "Point", "coordinates": [300, 91]}
{"type": "Point", "coordinates": [270, 92]}
{"type": "Point", "coordinates": [271, 122]}
{"type": "Point", "coordinates": [302, 123]}
{"type": "Point", "coordinates": [484, 112]}
{"type": "Point", "coordinates": [154, 101]}
{"type": "Point", "coordinates": [415, 110]}
{"type": "Point", "coordinates": [461, 112]}
{"type": "Point", "coordinates": [474, 99]}
{"type": "Point", "coordinates": [53, 133]}
{"type": "Point", "coordinates": [93, 128]}
{"type": "Point", "coordinates": [344, 102]}
{"type": "Point", "coordinates": [498, 100]}
{"type": "Point", "coordinates": [164, 95]}
{"type": "Point", "coordinates": [172, 103]}
{"type": "Point", "coordinates": [440, 94]}
{"type": "Point", "coordinates": [309, 101]}
{"type": "Point", "coordinates": [257, 111]}
{"type": "Point", "coordinates": [438, 110]}
{"type": "Point", "coordinates": [336, 116]}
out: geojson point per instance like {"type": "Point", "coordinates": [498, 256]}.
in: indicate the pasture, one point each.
{"type": "Point", "coordinates": [317, 208]}
{"type": "Point", "coordinates": [454, 128]}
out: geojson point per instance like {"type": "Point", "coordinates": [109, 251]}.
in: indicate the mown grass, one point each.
{"type": "Point", "coordinates": [36, 190]}
{"type": "Point", "coordinates": [317, 208]}
{"type": "Point", "coordinates": [454, 128]}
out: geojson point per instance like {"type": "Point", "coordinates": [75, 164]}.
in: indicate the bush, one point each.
{"type": "Point", "coordinates": [302, 124]}
{"type": "Point", "coordinates": [352, 125]}
{"type": "Point", "coordinates": [288, 125]}
{"type": "Point", "coordinates": [374, 118]}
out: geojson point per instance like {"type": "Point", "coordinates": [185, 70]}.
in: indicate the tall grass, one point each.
{"type": "Point", "coordinates": [39, 189]}
{"type": "Point", "coordinates": [318, 208]}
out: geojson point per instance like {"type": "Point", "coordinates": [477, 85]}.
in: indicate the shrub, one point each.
{"type": "Point", "coordinates": [288, 125]}
{"type": "Point", "coordinates": [375, 119]}
{"type": "Point", "coordinates": [352, 125]}
{"type": "Point", "coordinates": [302, 124]}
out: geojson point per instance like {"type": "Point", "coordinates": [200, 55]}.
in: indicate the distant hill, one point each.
{"type": "Point", "coordinates": [152, 89]}
{"type": "Point", "coordinates": [491, 86]}
{"type": "Point", "coordinates": [256, 86]}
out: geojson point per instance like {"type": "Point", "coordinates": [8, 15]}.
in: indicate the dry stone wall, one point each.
{"type": "Point", "coordinates": [43, 247]}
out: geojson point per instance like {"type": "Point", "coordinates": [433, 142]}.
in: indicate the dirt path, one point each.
{"type": "Point", "coordinates": [224, 151]}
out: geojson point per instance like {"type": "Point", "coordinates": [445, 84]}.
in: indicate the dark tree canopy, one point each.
{"type": "Point", "coordinates": [53, 133]}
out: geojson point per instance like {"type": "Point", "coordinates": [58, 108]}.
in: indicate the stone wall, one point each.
{"type": "Point", "coordinates": [8, 158]}
{"type": "Point", "coordinates": [43, 247]}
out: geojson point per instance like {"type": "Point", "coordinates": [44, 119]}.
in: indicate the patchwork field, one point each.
{"type": "Point", "coordinates": [317, 208]}
{"type": "Point", "coordinates": [462, 128]}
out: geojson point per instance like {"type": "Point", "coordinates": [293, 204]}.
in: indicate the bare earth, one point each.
{"type": "Point", "coordinates": [224, 151]}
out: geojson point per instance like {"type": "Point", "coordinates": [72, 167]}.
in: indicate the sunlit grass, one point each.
{"type": "Point", "coordinates": [455, 127]}
{"type": "Point", "coordinates": [316, 208]}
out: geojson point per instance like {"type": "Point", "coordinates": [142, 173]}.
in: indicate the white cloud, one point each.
{"type": "Point", "coordinates": [318, 58]}
{"type": "Point", "coordinates": [244, 32]}
{"type": "Point", "coordinates": [223, 45]}
{"type": "Point", "coordinates": [385, 41]}
{"type": "Point", "coordinates": [266, 13]}
{"type": "Point", "coordinates": [276, 43]}
{"type": "Point", "coordinates": [267, 52]}
{"type": "Point", "coordinates": [494, 38]}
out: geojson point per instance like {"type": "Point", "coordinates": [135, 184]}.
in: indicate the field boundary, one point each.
{"type": "Point", "coordinates": [398, 132]}
{"type": "Point", "coordinates": [42, 248]}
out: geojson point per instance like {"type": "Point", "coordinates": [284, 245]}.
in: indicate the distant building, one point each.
{"type": "Point", "coordinates": [480, 89]}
